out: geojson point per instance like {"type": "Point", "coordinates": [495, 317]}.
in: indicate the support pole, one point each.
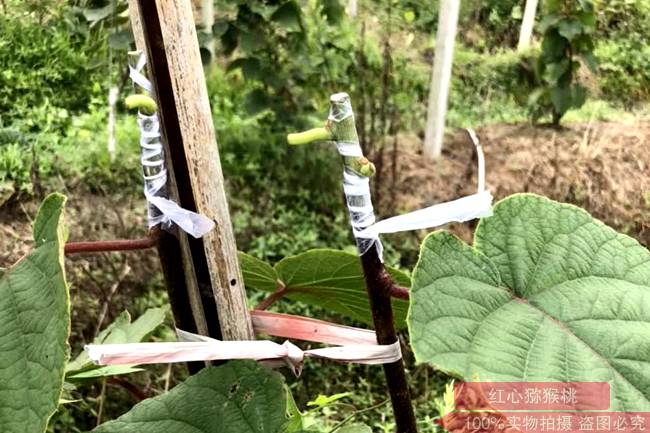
{"type": "Point", "coordinates": [352, 8]}
{"type": "Point", "coordinates": [174, 251]}
{"type": "Point", "coordinates": [527, 25]}
{"type": "Point", "coordinates": [165, 29]}
{"type": "Point", "coordinates": [441, 77]}
{"type": "Point", "coordinates": [207, 21]}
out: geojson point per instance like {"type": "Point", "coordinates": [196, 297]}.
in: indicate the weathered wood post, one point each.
{"type": "Point", "coordinates": [440, 77]}
{"type": "Point", "coordinates": [165, 30]}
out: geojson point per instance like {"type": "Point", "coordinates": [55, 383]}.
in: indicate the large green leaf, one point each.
{"type": "Point", "coordinates": [546, 293]}
{"type": "Point", "coordinates": [34, 327]}
{"type": "Point", "coordinates": [237, 397]}
{"type": "Point", "coordinates": [561, 98]}
{"type": "Point", "coordinates": [327, 278]}
{"type": "Point", "coordinates": [570, 28]}
{"type": "Point", "coordinates": [121, 330]}
{"type": "Point", "coordinates": [288, 16]}
{"type": "Point", "coordinates": [554, 71]}
{"type": "Point", "coordinates": [258, 274]}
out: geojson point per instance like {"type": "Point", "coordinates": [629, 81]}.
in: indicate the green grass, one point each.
{"type": "Point", "coordinates": [600, 110]}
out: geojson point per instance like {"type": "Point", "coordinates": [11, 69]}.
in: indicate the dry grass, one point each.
{"type": "Point", "coordinates": [600, 166]}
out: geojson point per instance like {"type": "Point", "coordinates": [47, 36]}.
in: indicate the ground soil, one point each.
{"type": "Point", "coordinates": [94, 278]}
{"type": "Point", "coordinates": [600, 166]}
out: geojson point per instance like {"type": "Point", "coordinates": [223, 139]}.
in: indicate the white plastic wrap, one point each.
{"type": "Point", "coordinates": [161, 210]}
{"type": "Point", "coordinates": [355, 187]}
{"type": "Point", "coordinates": [359, 202]}
{"type": "Point", "coordinates": [460, 210]}
{"type": "Point", "coordinates": [355, 345]}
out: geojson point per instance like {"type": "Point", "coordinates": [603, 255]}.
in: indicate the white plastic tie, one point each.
{"type": "Point", "coordinates": [359, 202]}
{"type": "Point", "coordinates": [353, 346]}
{"type": "Point", "coordinates": [460, 210]}
{"type": "Point", "coordinates": [208, 349]}
{"type": "Point", "coordinates": [161, 210]}
{"type": "Point", "coordinates": [463, 209]}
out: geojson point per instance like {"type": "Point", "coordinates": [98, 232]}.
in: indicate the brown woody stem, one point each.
{"type": "Point", "coordinates": [399, 292]}
{"type": "Point", "coordinates": [273, 297]}
{"type": "Point", "coordinates": [113, 245]}
{"type": "Point", "coordinates": [380, 288]}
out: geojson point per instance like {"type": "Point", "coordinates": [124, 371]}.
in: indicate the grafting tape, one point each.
{"type": "Point", "coordinates": [355, 186]}
{"type": "Point", "coordinates": [357, 193]}
{"type": "Point", "coordinates": [161, 210]}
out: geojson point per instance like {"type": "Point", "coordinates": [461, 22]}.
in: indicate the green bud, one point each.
{"type": "Point", "coordinates": [144, 103]}
{"type": "Point", "coordinates": [316, 134]}
{"type": "Point", "coordinates": [361, 166]}
{"type": "Point", "coordinates": [366, 168]}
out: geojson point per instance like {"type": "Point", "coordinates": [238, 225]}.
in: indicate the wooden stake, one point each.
{"type": "Point", "coordinates": [174, 252]}
{"type": "Point", "coordinates": [440, 77]}
{"type": "Point", "coordinates": [210, 264]}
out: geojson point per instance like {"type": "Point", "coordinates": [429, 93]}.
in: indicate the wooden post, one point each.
{"type": "Point", "coordinates": [207, 21]}
{"type": "Point", "coordinates": [174, 251]}
{"type": "Point", "coordinates": [352, 8]}
{"type": "Point", "coordinates": [527, 25]}
{"type": "Point", "coordinates": [440, 77]}
{"type": "Point", "coordinates": [165, 30]}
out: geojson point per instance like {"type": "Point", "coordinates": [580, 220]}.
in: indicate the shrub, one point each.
{"type": "Point", "coordinates": [622, 18]}
{"type": "Point", "coordinates": [488, 88]}
{"type": "Point", "coordinates": [567, 27]}
{"type": "Point", "coordinates": [624, 70]}
{"type": "Point", "coordinates": [44, 60]}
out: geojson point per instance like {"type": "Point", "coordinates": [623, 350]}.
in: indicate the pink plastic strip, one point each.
{"type": "Point", "coordinates": [306, 329]}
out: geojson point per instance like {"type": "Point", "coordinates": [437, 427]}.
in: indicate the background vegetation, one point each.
{"type": "Point", "coordinates": [274, 66]}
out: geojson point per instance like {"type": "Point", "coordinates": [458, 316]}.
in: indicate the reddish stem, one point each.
{"type": "Point", "coordinates": [380, 288]}
{"type": "Point", "coordinates": [113, 245]}
{"type": "Point", "coordinates": [137, 394]}
{"type": "Point", "coordinates": [399, 292]}
{"type": "Point", "coordinates": [272, 298]}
